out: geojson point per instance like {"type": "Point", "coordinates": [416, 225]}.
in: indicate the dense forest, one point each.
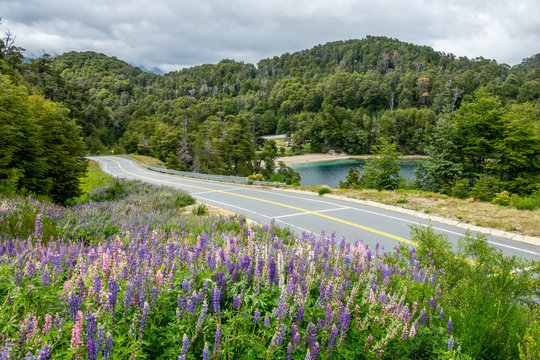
{"type": "Point", "coordinates": [477, 120]}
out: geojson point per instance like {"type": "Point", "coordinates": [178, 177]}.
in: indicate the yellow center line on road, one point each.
{"type": "Point", "coordinates": [391, 236]}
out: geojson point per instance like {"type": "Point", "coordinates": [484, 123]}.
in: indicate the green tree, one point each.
{"type": "Point", "coordinates": [382, 173]}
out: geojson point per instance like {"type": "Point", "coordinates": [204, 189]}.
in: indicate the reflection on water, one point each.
{"type": "Point", "coordinates": [331, 172]}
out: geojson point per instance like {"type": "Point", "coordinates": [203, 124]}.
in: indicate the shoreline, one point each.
{"type": "Point", "coordinates": [319, 157]}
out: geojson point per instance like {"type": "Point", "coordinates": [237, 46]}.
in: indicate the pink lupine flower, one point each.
{"type": "Point", "coordinates": [76, 332]}
{"type": "Point", "coordinates": [412, 333]}
{"type": "Point", "coordinates": [47, 325]}
{"type": "Point", "coordinates": [404, 333]}
{"type": "Point", "coordinates": [159, 279]}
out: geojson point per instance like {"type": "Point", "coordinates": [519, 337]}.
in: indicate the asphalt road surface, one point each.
{"type": "Point", "coordinates": [306, 212]}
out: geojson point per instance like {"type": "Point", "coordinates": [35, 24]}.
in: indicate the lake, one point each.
{"type": "Point", "coordinates": [331, 172]}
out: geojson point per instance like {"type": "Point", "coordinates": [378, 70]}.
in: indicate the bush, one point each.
{"type": "Point", "coordinates": [324, 190]}
{"type": "Point", "coordinates": [485, 188]}
{"type": "Point", "coordinates": [503, 198]}
{"type": "Point", "coordinates": [256, 177]}
{"type": "Point", "coordinates": [200, 210]}
{"type": "Point", "coordinates": [461, 189]}
{"type": "Point", "coordinates": [528, 202]}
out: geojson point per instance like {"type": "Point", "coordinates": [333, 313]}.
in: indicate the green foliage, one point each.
{"type": "Point", "coordinates": [256, 177]}
{"type": "Point", "coordinates": [382, 173]}
{"type": "Point", "coordinates": [39, 142]}
{"type": "Point", "coordinates": [287, 175]}
{"type": "Point", "coordinates": [200, 210]}
{"type": "Point", "coordinates": [324, 190]}
{"type": "Point", "coordinates": [489, 296]}
{"type": "Point", "coordinates": [503, 198]}
{"type": "Point", "coordinates": [461, 189]}
{"type": "Point", "coordinates": [527, 202]}
{"type": "Point", "coordinates": [485, 188]}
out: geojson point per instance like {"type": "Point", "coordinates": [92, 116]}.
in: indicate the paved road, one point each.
{"type": "Point", "coordinates": [306, 212]}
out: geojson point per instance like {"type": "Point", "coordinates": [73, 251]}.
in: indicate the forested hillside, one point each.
{"type": "Point", "coordinates": [474, 117]}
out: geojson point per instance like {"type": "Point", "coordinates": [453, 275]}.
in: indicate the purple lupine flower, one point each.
{"type": "Point", "coordinates": [257, 316]}
{"type": "Point", "coordinates": [45, 276]}
{"type": "Point", "coordinates": [438, 308]}
{"type": "Point", "coordinates": [236, 302]}
{"type": "Point", "coordinates": [113, 294]}
{"type": "Point", "coordinates": [272, 270]}
{"type": "Point", "coordinates": [315, 351]}
{"type": "Point", "coordinates": [346, 319]}
{"type": "Point", "coordinates": [216, 297]}
{"type": "Point", "coordinates": [107, 351]}
{"type": "Point", "coordinates": [202, 316]}
{"type": "Point", "coordinates": [217, 339]}
{"type": "Point", "coordinates": [73, 305]}
{"type": "Point", "coordinates": [423, 317]}
{"type": "Point", "coordinates": [144, 317]}
{"type": "Point", "coordinates": [300, 314]}
{"type": "Point", "coordinates": [280, 335]}
{"type": "Point", "coordinates": [45, 353]}
{"type": "Point", "coordinates": [91, 332]}
{"type": "Point", "coordinates": [99, 340]}
{"type": "Point", "coordinates": [431, 302]}
{"type": "Point", "coordinates": [266, 321]}
{"type": "Point", "coordinates": [451, 343]}
{"type": "Point", "coordinates": [332, 339]}
{"type": "Point", "coordinates": [289, 352]}
{"type": "Point", "coordinates": [206, 352]}
{"type": "Point", "coordinates": [38, 231]}
{"type": "Point", "coordinates": [441, 314]}
{"type": "Point", "coordinates": [185, 344]}
{"type": "Point", "coordinates": [450, 325]}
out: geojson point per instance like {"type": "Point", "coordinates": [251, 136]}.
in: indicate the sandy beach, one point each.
{"type": "Point", "coordinates": [309, 158]}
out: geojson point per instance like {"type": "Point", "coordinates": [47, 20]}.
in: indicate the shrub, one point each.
{"type": "Point", "coordinates": [324, 190]}
{"type": "Point", "coordinates": [200, 210]}
{"type": "Point", "coordinates": [528, 202]}
{"type": "Point", "coordinates": [503, 198]}
{"type": "Point", "coordinates": [461, 189]}
{"type": "Point", "coordinates": [256, 177]}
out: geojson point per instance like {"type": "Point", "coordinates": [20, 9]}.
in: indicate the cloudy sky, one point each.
{"type": "Point", "coordinates": [171, 34]}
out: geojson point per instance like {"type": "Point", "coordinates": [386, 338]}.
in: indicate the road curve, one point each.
{"type": "Point", "coordinates": [306, 212]}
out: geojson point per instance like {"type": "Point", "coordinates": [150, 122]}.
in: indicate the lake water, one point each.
{"type": "Point", "coordinates": [331, 172]}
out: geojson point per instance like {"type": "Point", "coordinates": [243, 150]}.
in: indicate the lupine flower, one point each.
{"type": "Point", "coordinates": [266, 321]}
{"type": "Point", "coordinates": [185, 344]}
{"type": "Point", "coordinates": [146, 310]}
{"type": "Point", "coordinates": [45, 353]}
{"type": "Point", "coordinates": [257, 316]}
{"type": "Point", "coordinates": [38, 231]}
{"type": "Point", "coordinates": [280, 334]}
{"type": "Point", "coordinates": [77, 330]}
{"type": "Point", "coordinates": [107, 351]}
{"type": "Point", "coordinates": [47, 324]}
{"type": "Point", "coordinates": [215, 299]}
{"type": "Point", "coordinates": [315, 351]}
{"type": "Point", "coordinates": [451, 343]}
{"type": "Point", "coordinates": [441, 314]}
{"type": "Point", "coordinates": [333, 337]}
{"type": "Point", "coordinates": [217, 340]}
{"type": "Point", "coordinates": [449, 327]}
{"type": "Point", "coordinates": [236, 302]}
{"type": "Point", "coordinates": [91, 332]}
{"type": "Point", "coordinates": [404, 333]}
{"type": "Point", "coordinates": [431, 302]}
{"type": "Point", "coordinates": [308, 355]}
{"type": "Point", "coordinates": [412, 333]}
{"type": "Point", "coordinates": [206, 352]}
{"type": "Point", "coordinates": [423, 317]}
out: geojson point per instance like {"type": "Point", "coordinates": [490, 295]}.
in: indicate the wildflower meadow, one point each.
{"type": "Point", "coordinates": [128, 273]}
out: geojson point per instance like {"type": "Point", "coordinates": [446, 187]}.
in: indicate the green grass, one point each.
{"type": "Point", "coordinates": [95, 178]}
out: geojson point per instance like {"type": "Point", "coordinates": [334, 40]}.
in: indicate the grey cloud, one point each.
{"type": "Point", "coordinates": [171, 34]}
